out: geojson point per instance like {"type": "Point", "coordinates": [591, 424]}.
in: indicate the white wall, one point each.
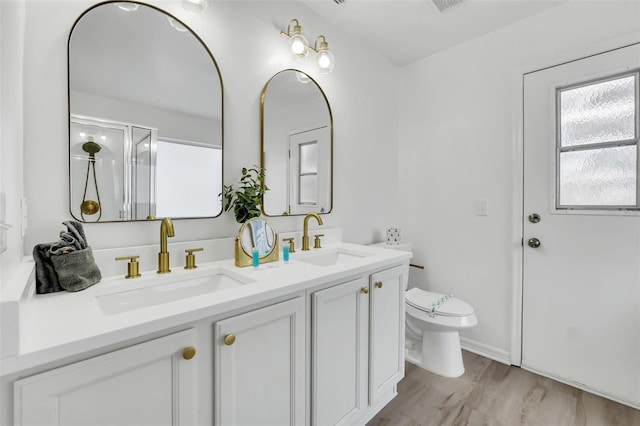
{"type": "Point", "coordinates": [171, 124]}
{"type": "Point", "coordinates": [244, 38]}
{"type": "Point", "coordinates": [11, 135]}
{"type": "Point", "coordinates": [458, 138]}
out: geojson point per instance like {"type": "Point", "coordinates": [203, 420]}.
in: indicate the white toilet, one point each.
{"type": "Point", "coordinates": [432, 324]}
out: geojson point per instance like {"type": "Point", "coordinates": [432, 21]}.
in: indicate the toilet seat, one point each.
{"type": "Point", "coordinates": [425, 301]}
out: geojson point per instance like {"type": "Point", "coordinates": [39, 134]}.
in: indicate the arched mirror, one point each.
{"type": "Point", "coordinates": [297, 145]}
{"type": "Point", "coordinates": [259, 234]}
{"type": "Point", "coordinates": [145, 117]}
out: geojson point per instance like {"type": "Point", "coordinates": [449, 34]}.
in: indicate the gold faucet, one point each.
{"type": "Point", "coordinates": [166, 230]}
{"type": "Point", "coordinates": [305, 233]}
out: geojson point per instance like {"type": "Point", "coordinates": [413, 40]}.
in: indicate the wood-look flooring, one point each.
{"type": "Point", "coordinates": [493, 394]}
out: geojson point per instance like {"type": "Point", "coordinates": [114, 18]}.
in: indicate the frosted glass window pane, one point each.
{"type": "Point", "coordinates": [599, 112]}
{"type": "Point", "coordinates": [309, 158]}
{"type": "Point", "coordinates": [598, 177]}
{"type": "Point", "coordinates": [309, 189]}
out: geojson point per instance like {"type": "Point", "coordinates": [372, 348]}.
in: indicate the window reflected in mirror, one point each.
{"type": "Point", "coordinates": [297, 144]}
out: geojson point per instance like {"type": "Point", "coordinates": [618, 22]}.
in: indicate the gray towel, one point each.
{"type": "Point", "coordinates": [71, 240]}
{"type": "Point", "coordinates": [76, 270]}
{"type": "Point", "coordinates": [67, 264]}
{"type": "Point", "coordinates": [46, 277]}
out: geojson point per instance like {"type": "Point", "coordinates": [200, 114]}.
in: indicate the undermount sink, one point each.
{"type": "Point", "coordinates": [169, 290]}
{"type": "Point", "coordinates": [333, 257]}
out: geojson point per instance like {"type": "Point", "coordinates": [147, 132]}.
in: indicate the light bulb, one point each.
{"type": "Point", "coordinates": [126, 6]}
{"type": "Point", "coordinates": [195, 6]}
{"type": "Point", "coordinates": [325, 61]}
{"type": "Point", "coordinates": [302, 77]}
{"type": "Point", "coordinates": [299, 46]}
{"type": "Point", "coordinates": [176, 25]}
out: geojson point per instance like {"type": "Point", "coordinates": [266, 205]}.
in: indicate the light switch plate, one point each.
{"type": "Point", "coordinates": [23, 207]}
{"type": "Point", "coordinates": [3, 219]}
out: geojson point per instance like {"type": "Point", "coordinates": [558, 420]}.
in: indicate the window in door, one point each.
{"type": "Point", "coordinates": [597, 145]}
{"type": "Point", "coordinates": [308, 174]}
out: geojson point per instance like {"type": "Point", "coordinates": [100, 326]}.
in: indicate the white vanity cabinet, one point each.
{"type": "Point", "coordinates": [340, 326]}
{"type": "Point", "coordinates": [357, 347]}
{"type": "Point", "coordinates": [305, 344]}
{"type": "Point", "coordinates": [260, 366]}
{"type": "Point", "coordinates": [147, 384]}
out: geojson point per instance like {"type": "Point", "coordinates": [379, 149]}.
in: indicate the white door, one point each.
{"type": "Point", "coordinates": [581, 279]}
{"type": "Point", "coordinates": [309, 171]}
{"type": "Point", "coordinates": [260, 367]}
{"type": "Point", "coordinates": [147, 384]}
{"type": "Point", "coordinates": [340, 342]}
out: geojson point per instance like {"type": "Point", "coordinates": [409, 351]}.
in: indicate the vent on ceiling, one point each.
{"type": "Point", "coordinates": [339, 1]}
{"type": "Point", "coordinates": [443, 4]}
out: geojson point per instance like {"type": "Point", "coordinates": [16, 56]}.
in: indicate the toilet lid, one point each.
{"type": "Point", "coordinates": [424, 300]}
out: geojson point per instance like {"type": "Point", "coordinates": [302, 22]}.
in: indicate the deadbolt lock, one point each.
{"type": "Point", "coordinates": [534, 218]}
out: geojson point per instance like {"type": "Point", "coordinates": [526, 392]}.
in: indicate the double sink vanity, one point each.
{"type": "Point", "coordinates": [317, 340]}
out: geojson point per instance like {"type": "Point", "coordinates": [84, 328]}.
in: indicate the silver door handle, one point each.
{"type": "Point", "coordinates": [533, 243]}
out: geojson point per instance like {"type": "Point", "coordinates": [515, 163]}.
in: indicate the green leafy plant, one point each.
{"type": "Point", "coordinates": [246, 200]}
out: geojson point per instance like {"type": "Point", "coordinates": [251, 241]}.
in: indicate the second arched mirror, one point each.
{"type": "Point", "coordinates": [297, 145]}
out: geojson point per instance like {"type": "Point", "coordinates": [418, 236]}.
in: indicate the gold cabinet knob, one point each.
{"type": "Point", "coordinates": [229, 339]}
{"type": "Point", "coordinates": [188, 352]}
{"type": "Point", "coordinates": [365, 290]}
{"type": "Point", "coordinates": [379, 284]}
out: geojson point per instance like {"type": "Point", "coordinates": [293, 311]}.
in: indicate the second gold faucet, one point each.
{"type": "Point", "coordinates": [305, 229]}
{"type": "Point", "coordinates": [166, 230]}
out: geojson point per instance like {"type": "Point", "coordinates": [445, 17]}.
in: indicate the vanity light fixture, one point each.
{"type": "Point", "coordinates": [300, 47]}
{"type": "Point", "coordinates": [195, 6]}
{"type": "Point", "coordinates": [297, 41]}
{"type": "Point", "coordinates": [127, 6]}
{"type": "Point", "coordinates": [325, 59]}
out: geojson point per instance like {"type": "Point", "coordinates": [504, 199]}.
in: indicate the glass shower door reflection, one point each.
{"type": "Point", "coordinates": [97, 178]}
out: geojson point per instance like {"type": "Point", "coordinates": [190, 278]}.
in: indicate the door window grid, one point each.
{"type": "Point", "coordinates": [597, 144]}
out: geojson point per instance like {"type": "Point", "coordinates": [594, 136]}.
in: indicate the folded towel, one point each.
{"type": "Point", "coordinates": [46, 277]}
{"type": "Point", "coordinates": [67, 264]}
{"type": "Point", "coordinates": [76, 270]}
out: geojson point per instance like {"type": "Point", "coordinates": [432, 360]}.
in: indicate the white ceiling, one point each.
{"type": "Point", "coordinates": [407, 30]}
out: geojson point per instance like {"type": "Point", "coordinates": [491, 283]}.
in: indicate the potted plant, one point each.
{"type": "Point", "coordinates": [246, 200]}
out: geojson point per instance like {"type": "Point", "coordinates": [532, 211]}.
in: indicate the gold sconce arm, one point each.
{"type": "Point", "coordinates": [297, 29]}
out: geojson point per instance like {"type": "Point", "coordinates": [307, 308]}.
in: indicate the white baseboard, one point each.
{"type": "Point", "coordinates": [486, 351]}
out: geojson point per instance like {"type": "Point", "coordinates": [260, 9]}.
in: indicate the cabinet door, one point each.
{"type": "Point", "coordinates": [386, 357]}
{"type": "Point", "coordinates": [146, 384]}
{"type": "Point", "coordinates": [340, 352]}
{"type": "Point", "coordinates": [260, 366]}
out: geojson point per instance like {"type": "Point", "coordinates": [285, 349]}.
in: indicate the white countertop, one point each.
{"type": "Point", "coordinates": [55, 326]}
